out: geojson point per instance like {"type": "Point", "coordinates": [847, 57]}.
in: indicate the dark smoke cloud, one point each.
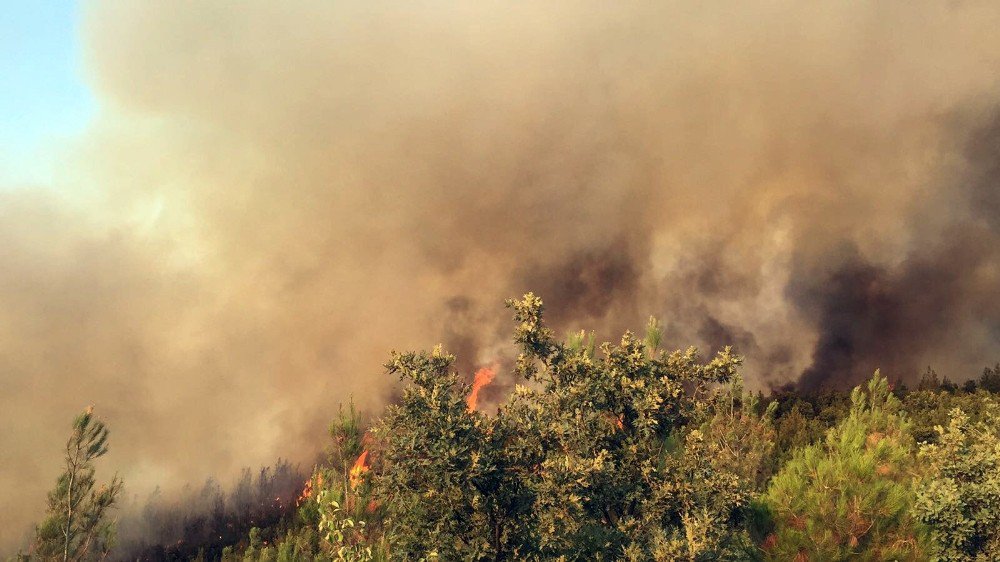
{"type": "Point", "coordinates": [935, 305]}
{"type": "Point", "coordinates": [718, 335]}
{"type": "Point", "coordinates": [273, 196]}
{"type": "Point", "coordinates": [588, 285]}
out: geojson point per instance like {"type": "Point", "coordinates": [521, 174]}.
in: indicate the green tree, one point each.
{"type": "Point", "coordinates": [76, 526]}
{"type": "Point", "coordinates": [959, 497]}
{"type": "Point", "coordinates": [990, 379]}
{"type": "Point", "coordinates": [630, 450]}
{"type": "Point", "coordinates": [929, 380]}
{"type": "Point", "coordinates": [338, 501]}
{"type": "Point", "coordinates": [723, 465]}
{"type": "Point", "coordinates": [928, 410]}
{"type": "Point", "coordinates": [434, 455]}
{"type": "Point", "coordinates": [605, 452]}
{"type": "Point", "coordinates": [850, 497]}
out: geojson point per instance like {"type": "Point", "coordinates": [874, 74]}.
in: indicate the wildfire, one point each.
{"type": "Point", "coordinates": [483, 377]}
{"type": "Point", "coordinates": [314, 483]}
{"type": "Point", "coordinates": [360, 467]}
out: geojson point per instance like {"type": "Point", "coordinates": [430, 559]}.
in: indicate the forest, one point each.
{"type": "Point", "coordinates": [610, 451]}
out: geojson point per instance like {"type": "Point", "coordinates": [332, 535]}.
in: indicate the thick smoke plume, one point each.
{"type": "Point", "coordinates": [274, 195]}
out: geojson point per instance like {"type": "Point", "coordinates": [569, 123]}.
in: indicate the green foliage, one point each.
{"type": "Point", "coordinates": [613, 449]}
{"type": "Point", "coordinates": [582, 342]}
{"type": "Point", "coordinates": [990, 379]}
{"type": "Point", "coordinates": [253, 549]}
{"type": "Point", "coordinates": [347, 436]}
{"type": "Point", "coordinates": [654, 335]}
{"type": "Point", "coordinates": [794, 431]}
{"type": "Point", "coordinates": [338, 503]}
{"type": "Point", "coordinates": [76, 526]}
{"type": "Point", "coordinates": [927, 410]}
{"type": "Point", "coordinates": [849, 498]}
{"type": "Point", "coordinates": [617, 451]}
{"type": "Point", "coordinates": [302, 543]}
{"type": "Point", "coordinates": [623, 451]}
{"type": "Point", "coordinates": [804, 419]}
{"type": "Point", "coordinates": [341, 530]}
{"type": "Point", "coordinates": [929, 380]}
{"type": "Point", "coordinates": [336, 519]}
{"type": "Point", "coordinates": [435, 455]}
{"type": "Point", "coordinates": [959, 497]}
{"type": "Point", "coordinates": [741, 434]}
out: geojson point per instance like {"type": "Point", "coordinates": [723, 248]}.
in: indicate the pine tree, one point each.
{"type": "Point", "coordinates": [929, 380]}
{"type": "Point", "coordinates": [849, 497]}
{"type": "Point", "coordinates": [76, 526]}
{"type": "Point", "coordinates": [990, 380]}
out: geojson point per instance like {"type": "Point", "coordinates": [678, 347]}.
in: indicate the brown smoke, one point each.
{"type": "Point", "coordinates": [276, 194]}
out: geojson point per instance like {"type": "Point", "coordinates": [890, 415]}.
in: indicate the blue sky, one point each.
{"type": "Point", "coordinates": [43, 97]}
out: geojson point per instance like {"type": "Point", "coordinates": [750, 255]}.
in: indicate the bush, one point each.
{"type": "Point", "coordinates": [959, 498]}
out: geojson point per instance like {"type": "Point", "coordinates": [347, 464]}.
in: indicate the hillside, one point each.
{"type": "Point", "coordinates": [617, 451]}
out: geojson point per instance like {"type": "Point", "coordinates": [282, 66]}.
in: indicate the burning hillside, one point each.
{"type": "Point", "coordinates": [268, 197]}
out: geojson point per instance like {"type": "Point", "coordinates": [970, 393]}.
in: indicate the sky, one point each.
{"type": "Point", "coordinates": [44, 96]}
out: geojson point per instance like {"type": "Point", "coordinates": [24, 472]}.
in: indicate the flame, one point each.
{"type": "Point", "coordinates": [360, 467]}
{"type": "Point", "coordinates": [484, 377]}
{"type": "Point", "coordinates": [314, 483]}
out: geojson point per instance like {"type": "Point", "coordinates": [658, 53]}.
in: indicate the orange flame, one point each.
{"type": "Point", "coordinates": [484, 377]}
{"type": "Point", "coordinates": [314, 483]}
{"type": "Point", "coordinates": [360, 467]}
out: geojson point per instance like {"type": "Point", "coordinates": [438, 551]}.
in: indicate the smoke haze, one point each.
{"type": "Point", "coordinates": [274, 195]}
